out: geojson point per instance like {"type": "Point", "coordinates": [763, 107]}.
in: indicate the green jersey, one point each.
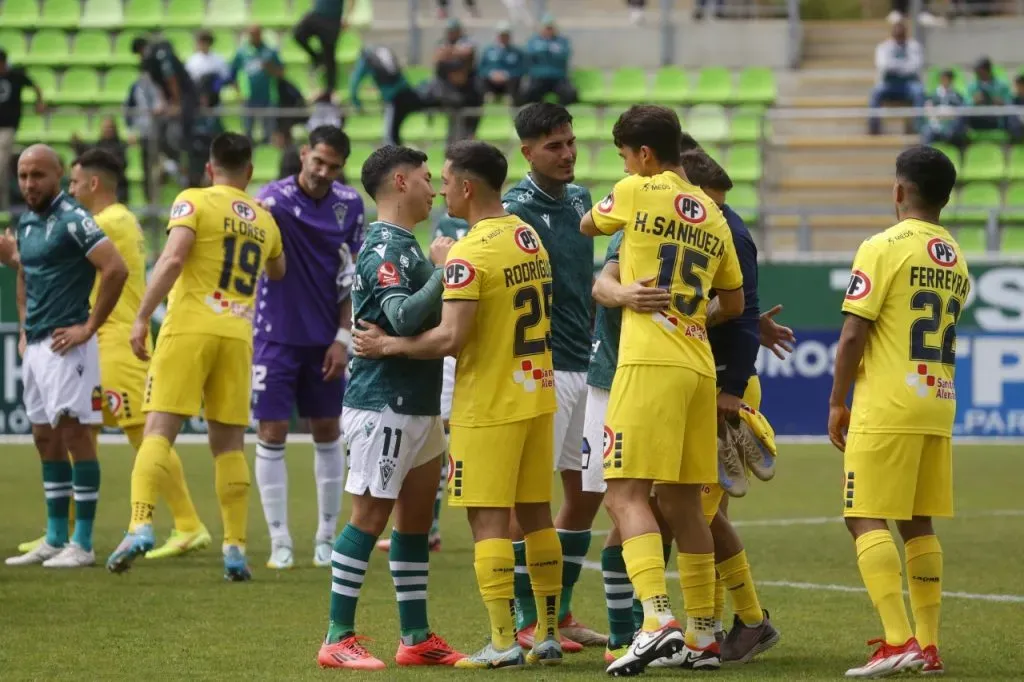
{"type": "Point", "coordinates": [454, 228]}
{"type": "Point", "coordinates": [604, 351]}
{"type": "Point", "coordinates": [391, 263]}
{"type": "Point", "coordinates": [54, 246]}
{"type": "Point", "coordinates": [557, 221]}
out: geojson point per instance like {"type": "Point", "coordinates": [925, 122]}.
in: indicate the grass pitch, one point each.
{"type": "Point", "coordinates": [177, 619]}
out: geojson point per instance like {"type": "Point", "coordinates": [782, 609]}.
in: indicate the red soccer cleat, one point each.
{"type": "Point", "coordinates": [890, 660]}
{"type": "Point", "coordinates": [348, 653]}
{"type": "Point", "coordinates": [932, 661]}
{"type": "Point", "coordinates": [525, 637]}
{"type": "Point", "coordinates": [433, 651]}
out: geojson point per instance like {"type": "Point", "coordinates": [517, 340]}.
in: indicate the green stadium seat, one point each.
{"type": "Point", "coordinates": [365, 128]}
{"type": "Point", "coordinates": [608, 166]}
{"type": "Point", "coordinates": [756, 86]}
{"type": "Point", "coordinates": [708, 123]}
{"type": "Point", "coordinates": [78, 85]}
{"type": "Point", "coordinates": [15, 43]}
{"type": "Point", "coordinates": [184, 42]}
{"type": "Point", "coordinates": [952, 152]}
{"type": "Point", "coordinates": [349, 47]}
{"type": "Point", "coordinates": [185, 13]}
{"type": "Point", "coordinates": [291, 53]}
{"type": "Point", "coordinates": [518, 167]}
{"type": "Point", "coordinates": [496, 128]}
{"type": "Point", "coordinates": [23, 14]}
{"type": "Point", "coordinates": [714, 86]}
{"type": "Point", "coordinates": [590, 85]}
{"type": "Point", "coordinates": [133, 163]}
{"type": "Point", "coordinates": [65, 126]}
{"type": "Point", "coordinates": [60, 14]}
{"type": "Point", "coordinates": [584, 164]}
{"type": "Point", "coordinates": [1015, 167]}
{"type": "Point", "coordinates": [744, 163]}
{"type": "Point", "coordinates": [91, 47]}
{"type": "Point", "coordinates": [145, 14]}
{"type": "Point", "coordinates": [971, 239]}
{"type": "Point", "coordinates": [435, 162]}
{"type": "Point", "coordinates": [31, 129]}
{"type": "Point", "coordinates": [746, 125]}
{"type": "Point", "coordinates": [744, 200]}
{"type": "Point", "coordinates": [671, 86]}
{"type": "Point", "coordinates": [65, 151]}
{"type": "Point", "coordinates": [932, 79]}
{"type": "Point", "coordinates": [226, 13]}
{"type": "Point", "coordinates": [136, 195]}
{"type": "Point", "coordinates": [46, 79]}
{"type": "Point", "coordinates": [1014, 203]}
{"type": "Point", "coordinates": [585, 124]}
{"type": "Point", "coordinates": [416, 74]}
{"type": "Point", "coordinates": [225, 43]}
{"type": "Point", "coordinates": [266, 159]}
{"type": "Point", "coordinates": [357, 157]}
{"type": "Point", "coordinates": [49, 47]}
{"type": "Point", "coordinates": [984, 161]}
{"type": "Point", "coordinates": [420, 127]}
{"type": "Point", "coordinates": [232, 123]}
{"type": "Point", "coordinates": [271, 13]}
{"type": "Point", "coordinates": [102, 14]}
{"type": "Point", "coordinates": [1013, 240]}
{"type": "Point", "coordinates": [975, 202]}
{"type": "Point", "coordinates": [628, 86]}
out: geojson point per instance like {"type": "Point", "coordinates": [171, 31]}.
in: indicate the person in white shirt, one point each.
{"type": "Point", "coordinates": [205, 62]}
{"type": "Point", "coordinates": [899, 61]}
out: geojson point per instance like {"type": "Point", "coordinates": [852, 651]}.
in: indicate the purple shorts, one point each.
{"type": "Point", "coordinates": [286, 377]}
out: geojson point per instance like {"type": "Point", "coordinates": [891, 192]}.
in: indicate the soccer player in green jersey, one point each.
{"type": "Point", "coordinates": [391, 419]}
{"type": "Point", "coordinates": [61, 249]}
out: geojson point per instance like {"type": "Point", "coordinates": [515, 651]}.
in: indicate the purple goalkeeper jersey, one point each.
{"type": "Point", "coordinates": [302, 308]}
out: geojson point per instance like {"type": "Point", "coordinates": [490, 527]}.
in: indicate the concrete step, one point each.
{"type": "Point", "coordinates": [874, 192]}
{"type": "Point", "coordinates": [833, 82]}
{"type": "Point", "coordinates": [833, 127]}
{"type": "Point", "coordinates": [811, 142]}
{"type": "Point", "coordinates": [861, 63]}
{"type": "Point", "coordinates": [782, 168]}
{"type": "Point", "coordinates": [843, 50]}
{"type": "Point", "coordinates": [858, 101]}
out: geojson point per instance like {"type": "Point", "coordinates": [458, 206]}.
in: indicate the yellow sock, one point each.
{"type": "Point", "coordinates": [645, 565]}
{"type": "Point", "coordinates": [148, 475]}
{"type": "Point", "coordinates": [924, 576]}
{"type": "Point", "coordinates": [879, 564]}
{"type": "Point", "coordinates": [736, 577]}
{"type": "Point", "coordinates": [719, 601]}
{"type": "Point", "coordinates": [544, 563]}
{"type": "Point", "coordinates": [697, 578]}
{"type": "Point", "coordinates": [231, 478]}
{"type": "Point", "coordinates": [174, 490]}
{"type": "Point", "coordinates": [495, 566]}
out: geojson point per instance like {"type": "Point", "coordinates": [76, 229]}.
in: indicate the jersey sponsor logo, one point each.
{"type": "Point", "coordinates": [859, 286]}
{"type": "Point", "coordinates": [114, 401]}
{"type": "Point", "coordinates": [667, 322]}
{"type": "Point", "coordinates": [387, 275]}
{"type": "Point", "coordinates": [244, 211]}
{"type": "Point", "coordinates": [690, 209]}
{"type": "Point", "coordinates": [530, 377]}
{"type": "Point", "coordinates": [942, 252]}
{"type": "Point", "coordinates": [527, 240]}
{"type": "Point", "coordinates": [923, 382]}
{"type": "Point", "coordinates": [458, 273]}
{"type": "Point", "coordinates": [182, 209]}
{"type": "Point", "coordinates": [605, 207]}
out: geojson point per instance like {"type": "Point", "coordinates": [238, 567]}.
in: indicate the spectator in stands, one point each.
{"type": "Point", "coordinates": [455, 85]}
{"type": "Point", "coordinates": [323, 22]}
{"type": "Point", "coordinates": [941, 124]}
{"type": "Point", "coordinates": [701, 7]}
{"type": "Point", "coordinates": [988, 90]}
{"type": "Point", "coordinates": [1018, 83]}
{"type": "Point", "coordinates": [262, 67]}
{"type": "Point", "coordinates": [13, 80]}
{"type": "Point", "coordinates": [204, 61]}
{"type": "Point", "coordinates": [110, 141]}
{"type": "Point", "coordinates": [548, 53]}
{"type": "Point", "coordinates": [899, 61]}
{"type": "Point", "coordinates": [207, 126]}
{"type": "Point", "coordinates": [901, 8]}
{"type": "Point", "coordinates": [636, 11]}
{"type": "Point", "coordinates": [503, 66]}
{"type": "Point", "coordinates": [143, 100]}
{"type": "Point", "coordinates": [442, 8]}
{"type": "Point", "coordinates": [381, 64]}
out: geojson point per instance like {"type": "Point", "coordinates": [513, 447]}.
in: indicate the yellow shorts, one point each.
{"type": "Point", "coordinates": [190, 372]}
{"type": "Point", "coordinates": [897, 476]}
{"type": "Point", "coordinates": [711, 494]}
{"type": "Point", "coordinates": [501, 465]}
{"type": "Point", "coordinates": [123, 377]}
{"type": "Point", "coordinates": [661, 426]}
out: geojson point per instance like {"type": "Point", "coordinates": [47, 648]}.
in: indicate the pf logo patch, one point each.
{"type": "Point", "coordinates": [458, 273]}
{"type": "Point", "coordinates": [859, 286]}
{"type": "Point", "coordinates": [244, 211]}
{"type": "Point", "coordinates": [942, 252]}
{"type": "Point", "coordinates": [690, 209]}
{"type": "Point", "coordinates": [606, 205]}
{"type": "Point", "coordinates": [113, 402]}
{"type": "Point", "coordinates": [182, 209]}
{"type": "Point", "coordinates": [527, 240]}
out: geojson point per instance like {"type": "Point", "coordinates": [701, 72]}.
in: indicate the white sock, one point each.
{"type": "Point", "coordinates": [329, 468]}
{"type": "Point", "coordinates": [272, 479]}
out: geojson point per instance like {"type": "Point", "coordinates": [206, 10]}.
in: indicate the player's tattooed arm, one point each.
{"type": "Point", "coordinates": [639, 296]}
{"type": "Point", "coordinates": [849, 352]}
{"type": "Point", "coordinates": [165, 273]}
{"type": "Point", "coordinates": [447, 338]}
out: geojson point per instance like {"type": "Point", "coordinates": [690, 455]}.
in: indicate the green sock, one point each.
{"type": "Point", "coordinates": [408, 560]}
{"type": "Point", "coordinates": [526, 607]}
{"type": "Point", "coordinates": [86, 486]}
{"type": "Point", "coordinates": [349, 560]}
{"type": "Point", "coordinates": [618, 597]}
{"type": "Point", "coordinates": [575, 544]}
{"type": "Point", "coordinates": [57, 489]}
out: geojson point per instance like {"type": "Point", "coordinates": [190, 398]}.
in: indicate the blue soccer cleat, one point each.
{"type": "Point", "coordinates": [546, 652]}
{"type": "Point", "coordinates": [135, 544]}
{"type": "Point", "coordinates": [236, 569]}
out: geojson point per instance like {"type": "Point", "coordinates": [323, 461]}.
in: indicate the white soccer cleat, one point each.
{"type": "Point", "coordinates": [281, 558]}
{"type": "Point", "coordinates": [732, 473]}
{"type": "Point", "coordinates": [646, 648]}
{"type": "Point", "coordinates": [322, 554]}
{"type": "Point", "coordinates": [72, 556]}
{"type": "Point", "coordinates": [42, 552]}
{"type": "Point", "coordinates": [890, 660]}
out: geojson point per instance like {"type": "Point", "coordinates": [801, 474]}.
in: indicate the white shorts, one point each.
{"type": "Point", "coordinates": [58, 385]}
{"type": "Point", "coordinates": [570, 393]}
{"type": "Point", "coordinates": [593, 440]}
{"type": "Point", "coordinates": [447, 387]}
{"type": "Point", "coordinates": [385, 446]}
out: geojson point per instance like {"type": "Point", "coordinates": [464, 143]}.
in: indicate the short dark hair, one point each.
{"type": "Point", "coordinates": [541, 118]}
{"type": "Point", "coordinates": [231, 151]}
{"type": "Point", "coordinates": [332, 136]}
{"type": "Point", "coordinates": [651, 126]}
{"type": "Point", "coordinates": [100, 160]}
{"type": "Point", "coordinates": [385, 160]}
{"type": "Point", "coordinates": [480, 159]}
{"type": "Point", "coordinates": [948, 73]}
{"type": "Point", "coordinates": [139, 44]}
{"type": "Point", "coordinates": [688, 144]}
{"type": "Point", "coordinates": [704, 171]}
{"type": "Point", "coordinates": [205, 36]}
{"type": "Point", "coordinates": [930, 172]}
{"type": "Point", "coordinates": [1018, 80]}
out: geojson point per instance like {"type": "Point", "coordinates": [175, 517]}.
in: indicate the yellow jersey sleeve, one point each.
{"type": "Point", "coordinates": [869, 281]}
{"type": "Point", "coordinates": [185, 210]}
{"type": "Point", "coordinates": [276, 246]}
{"type": "Point", "coordinates": [728, 276]}
{"type": "Point", "coordinates": [464, 272]}
{"type": "Point", "coordinates": [613, 212]}
{"type": "Point", "coordinates": [123, 230]}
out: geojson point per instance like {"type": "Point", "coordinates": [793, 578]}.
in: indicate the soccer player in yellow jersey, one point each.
{"type": "Point", "coordinates": [496, 321]}
{"type": "Point", "coordinates": [219, 241]}
{"type": "Point", "coordinates": [122, 375]}
{"type": "Point", "coordinates": [897, 351]}
{"type": "Point", "coordinates": [661, 425]}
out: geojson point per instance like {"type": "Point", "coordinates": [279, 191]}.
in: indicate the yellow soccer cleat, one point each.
{"type": "Point", "coordinates": [29, 545]}
{"type": "Point", "coordinates": [182, 543]}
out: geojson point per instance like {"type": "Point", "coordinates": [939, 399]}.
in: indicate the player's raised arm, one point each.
{"type": "Point", "coordinates": [447, 338]}
{"type": "Point", "coordinates": [613, 212]}
{"type": "Point", "coordinates": [165, 273]}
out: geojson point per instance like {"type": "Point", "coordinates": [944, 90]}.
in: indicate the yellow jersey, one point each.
{"type": "Point", "coordinates": [911, 281]}
{"type": "Point", "coordinates": [124, 231]}
{"type": "Point", "coordinates": [677, 236]}
{"type": "Point", "coordinates": [504, 373]}
{"type": "Point", "coordinates": [234, 238]}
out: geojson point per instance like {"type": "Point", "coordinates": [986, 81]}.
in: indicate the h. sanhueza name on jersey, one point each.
{"type": "Point", "coordinates": [676, 235]}
{"type": "Point", "coordinates": [604, 349]}
{"type": "Point", "coordinates": [505, 371]}
{"type": "Point", "coordinates": [234, 238]}
{"type": "Point", "coordinates": [124, 231]}
{"type": "Point", "coordinates": [912, 282]}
